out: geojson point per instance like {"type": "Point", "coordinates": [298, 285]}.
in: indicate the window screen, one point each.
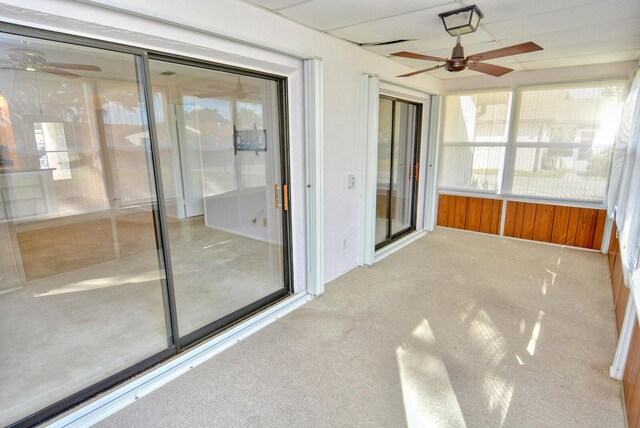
{"type": "Point", "coordinates": [564, 140]}
{"type": "Point", "coordinates": [474, 137]}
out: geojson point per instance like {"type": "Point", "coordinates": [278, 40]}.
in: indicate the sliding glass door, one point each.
{"type": "Point", "coordinates": [220, 150]}
{"type": "Point", "coordinates": [398, 136]}
{"type": "Point", "coordinates": [143, 207]}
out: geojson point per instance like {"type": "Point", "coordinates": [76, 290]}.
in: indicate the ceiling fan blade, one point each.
{"type": "Point", "coordinates": [422, 71]}
{"type": "Point", "coordinates": [508, 51]}
{"type": "Point", "coordinates": [392, 42]}
{"type": "Point", "coordinates": [491, 69]}
{"type": "Point", "coordinates": [74, 66]}
{"type": "Point", "coordinates": [406, 54]}
{"type": "Point", "coordinates": [62, 73]}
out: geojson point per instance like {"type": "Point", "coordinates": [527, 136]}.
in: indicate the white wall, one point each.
{"type": "Point", "coordinates": [186, 26]}
{"type": "Point", "coordinates": [623, 70]}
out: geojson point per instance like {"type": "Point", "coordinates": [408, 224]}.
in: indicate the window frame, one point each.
{"type": "Point", "coordinates": [506, 170]}
{"type": "Point", "coordinates": [442, 144]}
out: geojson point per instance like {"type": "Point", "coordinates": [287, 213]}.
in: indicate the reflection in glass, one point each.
{"type": "Point", "coordinates": [385, 126]}
{"type": "Point", "coordinates": [403, 166]}
{"type": "Point", "coordinates": [80, 286]}
{"type": "Point", "coordinates": [220, 155]}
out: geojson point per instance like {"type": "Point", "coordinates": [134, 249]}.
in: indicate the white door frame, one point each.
{"type": "Point", "coordinates": [373, 87]}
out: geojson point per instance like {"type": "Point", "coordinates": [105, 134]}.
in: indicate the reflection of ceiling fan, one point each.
{"type": "Point", "coordinates": [458, 62]}
{"type": "Point", "coordinates": [29, 60]}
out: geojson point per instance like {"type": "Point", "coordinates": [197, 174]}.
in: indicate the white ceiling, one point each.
{"type": "Point", "coordinates": [572, 32]}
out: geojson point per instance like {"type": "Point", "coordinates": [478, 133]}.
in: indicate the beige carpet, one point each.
{"type": "Point", "coordinates": [457, 329]}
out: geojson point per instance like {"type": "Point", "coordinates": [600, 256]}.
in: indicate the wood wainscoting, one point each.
{"type": "Point", "coordinates": [618, 288]}
{"type": "Point", "coordinates": [631, 381]}
{"type": "Point", "coordinates": [631, 377]}
{"type": "Point", "coordinates": [572, 226]}
{"type": "Point", "coordinates": [557, 224]}
{"type": "Point", "coordinates": [476, 214]}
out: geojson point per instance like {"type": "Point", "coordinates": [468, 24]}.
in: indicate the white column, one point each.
{"type": "Point", "coordinates": [314, 168]}
{"type": "Point", "coordinates": [372, 88]}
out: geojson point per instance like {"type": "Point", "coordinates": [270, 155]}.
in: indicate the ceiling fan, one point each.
{"type": "Point", "coordinates": [458, 62]}
{"type": "Point", "coordinates": [464, 21]}
{"type": "Point", "coordinates": [31, 60]}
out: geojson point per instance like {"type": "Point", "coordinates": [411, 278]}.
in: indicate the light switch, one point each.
{"type": "Point", "coordinates": [351, 181]}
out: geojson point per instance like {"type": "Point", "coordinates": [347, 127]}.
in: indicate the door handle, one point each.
{"type": "Point", "coordinates": [285, 196]}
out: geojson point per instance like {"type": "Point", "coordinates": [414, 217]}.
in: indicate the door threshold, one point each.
{"type": "Point", "coordinates": [396, 245]}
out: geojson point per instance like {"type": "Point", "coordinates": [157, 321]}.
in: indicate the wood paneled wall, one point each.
{"type": "Point", "coordinates": [476, 214]}
{"type": "Point", "coordinates": [576, 227]}
{"type": "Point", "coordinates": [619, 290]}
{"type": "Point", "coordinates": [631, 380]}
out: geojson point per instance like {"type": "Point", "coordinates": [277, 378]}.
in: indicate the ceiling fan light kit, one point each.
{"type": "Point", "coordinates": [461, 21]}
{"type": "Point", "coordinates": [465, 21]}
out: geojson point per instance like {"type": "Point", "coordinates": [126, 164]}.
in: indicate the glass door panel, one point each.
{"type": "Point", "coordinates": [403, 167]}
{"type": "Point", "coordinates": [398, 129]}
{"type": "Point", "coordinates": [220, 136]}
{"type": "Point", "coordinates": [82, 292]}
{"type": "Point", "coordinates": [385, 130]}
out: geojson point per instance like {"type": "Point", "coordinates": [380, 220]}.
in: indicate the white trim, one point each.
{"type": "Point", "coordinates": [634, 285]}
{"type": "Point", "coordinates": [371, 88]}
{"type": "Point", "coordinates": [503, 217]}
{"type": "Point", "coordinates": [505, 182]}
{"type": "Point", "coordinates": [402, 92]}
{"type": "Point", "coordinates": [398, 244]}
{"type": "Point", "coordinates": [314, 167]}
{"type": "Point", "coordinates": [507, 197]}
{"type": "Point", "coordinates": [606, 238]}
{"type": "Point", "coordinates": [130, 8]}
{"type": "Point", "coordinates": [122, 396]}
{"type": "Point", "coordinates": [431, 177]}
{"type": "Point", "coordinates": [423, 158]}
{"type": "Point", "coordinates": [616, 370]}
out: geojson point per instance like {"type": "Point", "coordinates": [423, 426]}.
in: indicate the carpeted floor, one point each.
{"type": "Point", "coordinates": [456, 329]}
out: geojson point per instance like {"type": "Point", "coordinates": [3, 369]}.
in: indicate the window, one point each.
{"type": "Point", "coordinates": [51, 142]}
{"type": "Point", "coordinates": [474, 140]}
{"type": "Point", "coordinates": [558, 145]}
{"type": "Point", "coordinates": [624, 195]}
{"type": "Point", "coordinates": [564, 140]}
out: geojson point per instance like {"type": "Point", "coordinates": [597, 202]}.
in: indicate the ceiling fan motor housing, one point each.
{"type": "Point", "coordinates": [457, 61]}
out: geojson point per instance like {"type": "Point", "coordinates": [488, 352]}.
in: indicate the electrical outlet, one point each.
{"type": "Point", "coordinates": [345, 244]}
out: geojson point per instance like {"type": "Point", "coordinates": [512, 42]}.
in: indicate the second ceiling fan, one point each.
{"type": "Point", "coordinates": [464, 21]}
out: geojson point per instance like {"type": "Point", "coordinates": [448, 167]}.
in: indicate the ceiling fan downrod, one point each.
{"type": "Point", "coordinates": [457, 61]}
